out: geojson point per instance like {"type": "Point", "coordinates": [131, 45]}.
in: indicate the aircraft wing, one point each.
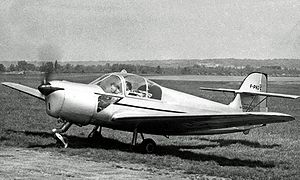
{"type": "Point", "coordinates": [25, 89]}
{"type": "Point", "coordinates": [177, 123]}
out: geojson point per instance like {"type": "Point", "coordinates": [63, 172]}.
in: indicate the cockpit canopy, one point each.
{"type": "Point", "coordinates": [129, 85]}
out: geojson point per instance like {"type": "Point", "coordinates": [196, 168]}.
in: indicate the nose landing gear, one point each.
{"type": "Point", "coordinates": [62, 129]}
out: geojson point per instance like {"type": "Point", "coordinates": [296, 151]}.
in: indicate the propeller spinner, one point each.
{"type": "Point", "coordinates": [45, 88]}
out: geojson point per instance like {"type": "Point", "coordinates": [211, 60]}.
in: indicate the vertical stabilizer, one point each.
{"type": "Point", "coordinates": [254, 82]}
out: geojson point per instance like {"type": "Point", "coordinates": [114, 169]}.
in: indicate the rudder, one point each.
{"type": "Point", "coordinates": [254, 82]}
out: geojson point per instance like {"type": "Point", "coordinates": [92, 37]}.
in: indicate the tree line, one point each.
{"type": "Point", "coordinates": [143, 69]}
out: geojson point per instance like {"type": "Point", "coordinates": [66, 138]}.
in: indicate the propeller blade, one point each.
{"type": "Point", "coordinates": [46, 77]}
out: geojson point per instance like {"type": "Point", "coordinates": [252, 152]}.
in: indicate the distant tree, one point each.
{"type": "Point", "coordinates": [68, 68]}
{"type": "Point", "coordinates": [21, 66]}
{"type": "Point", "coordinates": [248, 69]}
{"type": "Point", "coordinates": [47, 67]}
{"type": "Point", "coordinates": [12, 67]}
{"type": "Point", "coordinates": [25, 66]}
{"type": "Point", "coordinates": [115, 68]}
{"type": "Point", "coordinates": [107, 65]}
{"type": "Point", "coordinates": [137, 67]}
{"type": "Point", "coordinates": [79, 68]}
{"type": "Point", "coordinates": [2, 68]}
{"type": "Point", "coordinates": [31, 67]}
{"type": "Point", "coordinates": [186, 70]}
{"type": "Point", "coordinates": [142, 70]}
{"type": "Point", "coordinates": [158, 70]}
{"type": "Point", "coordinates": [55, 66]}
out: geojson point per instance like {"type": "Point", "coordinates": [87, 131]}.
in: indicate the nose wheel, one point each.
{"type": "Point", "coordinates": [61, 141]}
{"type": "Point", "coordinates": [63, 129]}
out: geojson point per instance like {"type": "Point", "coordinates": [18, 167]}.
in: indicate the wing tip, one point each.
{"type": "Point", "coordinates": [5, 84]}
{"type": "Point", "coordinates": [24, 89]}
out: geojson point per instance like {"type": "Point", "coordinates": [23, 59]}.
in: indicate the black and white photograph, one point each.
{"type": "Point", "coordinates": [150, 89]}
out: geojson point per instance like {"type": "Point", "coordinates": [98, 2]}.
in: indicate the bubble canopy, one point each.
{"type": "Point", "coordinates": [130, 85]}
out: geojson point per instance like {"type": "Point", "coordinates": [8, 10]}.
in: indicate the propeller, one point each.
{"type": "Point", "coordinates": [45, 88]}
{"type": "Point", "coordinates": [46, 77]}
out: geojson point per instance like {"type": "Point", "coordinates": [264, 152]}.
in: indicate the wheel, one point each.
{"type": "Point", "coordinates": [148, 146]}
{"type": "Point", "coordinates": [61, 144]}
{"type": "Point", "coordinates": [246, 131]}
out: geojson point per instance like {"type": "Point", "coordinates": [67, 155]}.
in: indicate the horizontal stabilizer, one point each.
{"type": "Point", "coordinates": [253, 93]}
{"type": "Point", "coordinates": [25, 89]}
{"type": "Point", "coordinates": [218, 89]}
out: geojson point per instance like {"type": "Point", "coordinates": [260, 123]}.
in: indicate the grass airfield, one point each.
{"type": "Point", "coordinates": [271, 152]}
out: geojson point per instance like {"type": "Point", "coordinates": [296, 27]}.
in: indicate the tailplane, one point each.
{"type": "Point", "coordinates": [252, 94]}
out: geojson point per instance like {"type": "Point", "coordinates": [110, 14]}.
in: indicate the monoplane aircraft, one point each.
{"type": "Point", "coordinates": [128, 102]}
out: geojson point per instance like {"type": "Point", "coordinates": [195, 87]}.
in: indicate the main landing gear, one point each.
{"type": "Point", "coordinates": [147, 146]}
{"type": "Point", "coordinates": [246, 132]}
{"type": "Point", "coordinates": [95, 134]}
{"type": "Point", "coordinates": [62, 129]}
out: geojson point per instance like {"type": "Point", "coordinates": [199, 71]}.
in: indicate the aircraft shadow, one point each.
{"type": "Point", "coordinates": [222, 161]}
{"type": "Point", "coordinates": [228, 142]}
{"type": "Point", "coordinates": [77, 142]}
{"type": "Point", "coordinates": [32, 133]}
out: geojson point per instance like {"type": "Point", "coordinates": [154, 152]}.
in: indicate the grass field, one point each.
{"type": "Point", "coordinates": [271, 152]}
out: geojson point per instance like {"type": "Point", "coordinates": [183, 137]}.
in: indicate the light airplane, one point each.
{"type": "Point", "coordinates": [128, 102]}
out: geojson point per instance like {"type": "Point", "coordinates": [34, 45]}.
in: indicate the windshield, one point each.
{"type": "Point", "coordinates": [140, 87]}
{"type": "Point", "coordinates": [154, 90]}
{"type": "Point", "coordinates": [111, 84]}
{"type": "Point", "coordinates": [135, 86]}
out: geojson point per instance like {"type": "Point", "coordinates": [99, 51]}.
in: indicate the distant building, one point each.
{"type": "Point", "coordinates": [240, 67]}
{"type": "Point", "coordinates": [211, 65]}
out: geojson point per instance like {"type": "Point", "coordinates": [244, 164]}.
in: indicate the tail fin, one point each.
{"type": "Point", "coordinates": [252, 95]}
{"type": "Point", "coordinates": [255, 82]}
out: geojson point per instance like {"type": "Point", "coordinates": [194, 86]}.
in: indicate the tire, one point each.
{"type": "Point", "coordinates": [60, 144]}
{"type": "Point", "coordinates": [148, 146]}
{"type": "Point", "coordinates": [246, 132]}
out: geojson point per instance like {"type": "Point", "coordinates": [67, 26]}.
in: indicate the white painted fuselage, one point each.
{"type": "Point", "coordinates": [78, 103]}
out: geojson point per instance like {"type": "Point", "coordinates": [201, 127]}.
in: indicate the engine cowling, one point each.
{"type": "Point", "coordinates": [74, 106]}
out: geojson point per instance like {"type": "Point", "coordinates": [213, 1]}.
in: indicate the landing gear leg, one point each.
{"type": "Point", "coordinates": [63, 129]}
{"type": "Point", "coordinates": [134, 140]}
{"type": "Point", "coordinates": [147, 146]}
{"type": "Point", "coordinates": [142, 136]}
{"type": "Point", "coordinates": [134, 137]}
{"type": "Point", "coordinates": [95, 133]}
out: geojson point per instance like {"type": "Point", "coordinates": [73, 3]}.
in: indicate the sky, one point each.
{"type": "Point", "coordinates": [93, 30]}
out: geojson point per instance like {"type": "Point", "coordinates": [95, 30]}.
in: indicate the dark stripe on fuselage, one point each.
{"type": "Point", "coordinates": [164, 110]}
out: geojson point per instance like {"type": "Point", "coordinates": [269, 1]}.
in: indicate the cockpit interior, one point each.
{"type": "Point", "coordinates": [130, 85]}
